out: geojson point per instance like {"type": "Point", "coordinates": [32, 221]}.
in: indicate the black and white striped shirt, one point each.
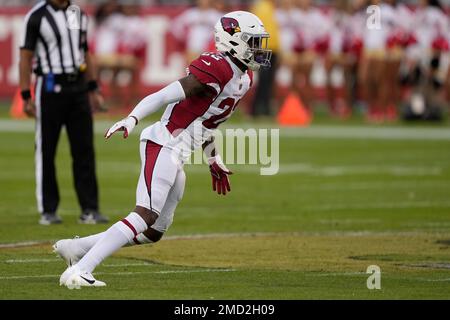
{"type": "Point", "coordinates": [57, 48]}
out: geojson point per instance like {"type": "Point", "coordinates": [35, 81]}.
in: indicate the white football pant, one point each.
{"type": "Point", "coordinates": [161, 182]}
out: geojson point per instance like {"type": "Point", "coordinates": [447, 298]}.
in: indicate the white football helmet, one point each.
{"type": "Point", "coordinates": [242, 34]}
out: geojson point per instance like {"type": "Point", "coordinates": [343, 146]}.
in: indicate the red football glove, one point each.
{"type": "Point", "coordinates": [219, 174]}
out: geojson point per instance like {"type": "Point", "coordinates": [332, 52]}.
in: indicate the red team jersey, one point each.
{"type": "Point", "coordinates": [187, 124]}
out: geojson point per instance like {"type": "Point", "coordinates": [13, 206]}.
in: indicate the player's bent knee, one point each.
{"type": "Point", "coordinates": [153, 235]}
{"type": "Point", "coordinates": [147, 215]}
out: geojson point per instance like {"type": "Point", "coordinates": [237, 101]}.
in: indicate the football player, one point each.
{"type": "Point", "coordinates": [196, 105]}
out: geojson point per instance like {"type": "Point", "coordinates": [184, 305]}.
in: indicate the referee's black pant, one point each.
{"type": "Point", "coordinates": [70, 108]}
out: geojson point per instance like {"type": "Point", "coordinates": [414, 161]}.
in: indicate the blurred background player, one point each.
{"type": "Point", "coordinates": [384, 40]}
{"type": "Point", "coordinates": [372, 61]}
{"type": "Point", "coordinates": [119, 45]}
{"type": "Point", "coordinates": [398, 38]}
{"type": "Point", "coordinates": [346, 41]}
{"type": "Point", "coordinates": [427, 61]}
{"type": "Point", "coordinates": [337, 57]}
{"type": "Point", "coordinates": [192, 28]}
{"type": "Point", "coordinates": [287, 33]}
{"type": "Point", "coordinates": [311, 45]}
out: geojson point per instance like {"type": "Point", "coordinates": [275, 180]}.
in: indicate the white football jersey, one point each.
{"type": "Point", "coordinates": [187, 124]}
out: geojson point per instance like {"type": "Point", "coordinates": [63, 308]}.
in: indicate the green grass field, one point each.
{"type": "Point", "coordinates": [346, 197]}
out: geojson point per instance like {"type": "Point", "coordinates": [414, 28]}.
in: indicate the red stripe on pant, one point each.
{"type": "Point", "coordinates": [152, 151]}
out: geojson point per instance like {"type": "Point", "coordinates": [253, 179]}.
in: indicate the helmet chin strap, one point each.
{"type": "Point", "coordinates": [236, 61]}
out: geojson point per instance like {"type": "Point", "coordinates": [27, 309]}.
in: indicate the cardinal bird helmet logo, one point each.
{"type": "Point", "coordinates": [230, 25]}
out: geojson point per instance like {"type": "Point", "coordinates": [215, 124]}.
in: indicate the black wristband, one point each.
{"type": "Point", "coordinates": [92, 85]}
{"type": "Point", "coordinates": [135, 119]}
{"type": "Point", "coordinates": [26, 94]}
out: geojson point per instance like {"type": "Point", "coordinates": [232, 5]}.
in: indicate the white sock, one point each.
{"type": "Point", "coordinates": [118, 235]}
{"type": "Point", "coordinates": [83, 245]}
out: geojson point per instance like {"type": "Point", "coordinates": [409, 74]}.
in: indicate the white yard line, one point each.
{"type": "Point", "coordinates": [386, 205]}
{"type": "Point", "coordinates": [120, 273]}
{"type": "Point", "coordinates": [290, 168]}
{"type": "Point", "coordinates": [397, 170]}
{"type": "Point", "coordinates": [367, 133]}
{"type": "Point", "coordinates": [166, 238]}
{"type": "Point", "coordinates": [20, 244]}
{"type": "Point", "coordinates": [437, 280]}
{"type": "Point", "coordinates": [329, 274]}
{"type": "Point", "coordinates": [166, 272]}
{"type": "Point", "coordinates": [136, 264]}
{"type": "Point", "coordinates": [12, 261]}
{"type": "Point", "coordinates": [315, 131]}
{"type": "Point", "coordinates": [248, 235]}
{"type": "Point", "coordinates": [110, 265]}
{"type": "Point", "coordinates": [350, 274]}
{"type": "Point", "coordinates": [129, 273]}
{"type": "Point", "coordinates": [199, 210]}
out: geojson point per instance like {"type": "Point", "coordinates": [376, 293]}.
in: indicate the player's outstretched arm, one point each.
{"type": "Point", "coordinates": [219, 172]}
{"type": "Point", "coordinates": [176, 91]}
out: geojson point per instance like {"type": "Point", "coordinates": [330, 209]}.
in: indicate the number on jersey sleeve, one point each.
{"type": "Point", "coordinates": [213, 70]}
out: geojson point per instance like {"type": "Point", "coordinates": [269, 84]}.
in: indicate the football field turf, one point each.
{"type": "Point", "coordinates": [346, 197]}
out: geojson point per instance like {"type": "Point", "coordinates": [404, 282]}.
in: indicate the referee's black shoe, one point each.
{"type": "Point", "coordinates": [92, 217]}
{"type": "Point", "coordinates": [48, 218]}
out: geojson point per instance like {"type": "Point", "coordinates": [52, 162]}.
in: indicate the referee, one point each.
{"type": "Point", "coordinates": [54, 47]}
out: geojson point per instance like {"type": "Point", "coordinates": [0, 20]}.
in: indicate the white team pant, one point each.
{"type": "Point", "coordinates": [161, 182]}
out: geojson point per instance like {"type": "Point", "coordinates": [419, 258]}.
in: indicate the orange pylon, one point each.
{"type": "Point", "coordinates": [293, 112]}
